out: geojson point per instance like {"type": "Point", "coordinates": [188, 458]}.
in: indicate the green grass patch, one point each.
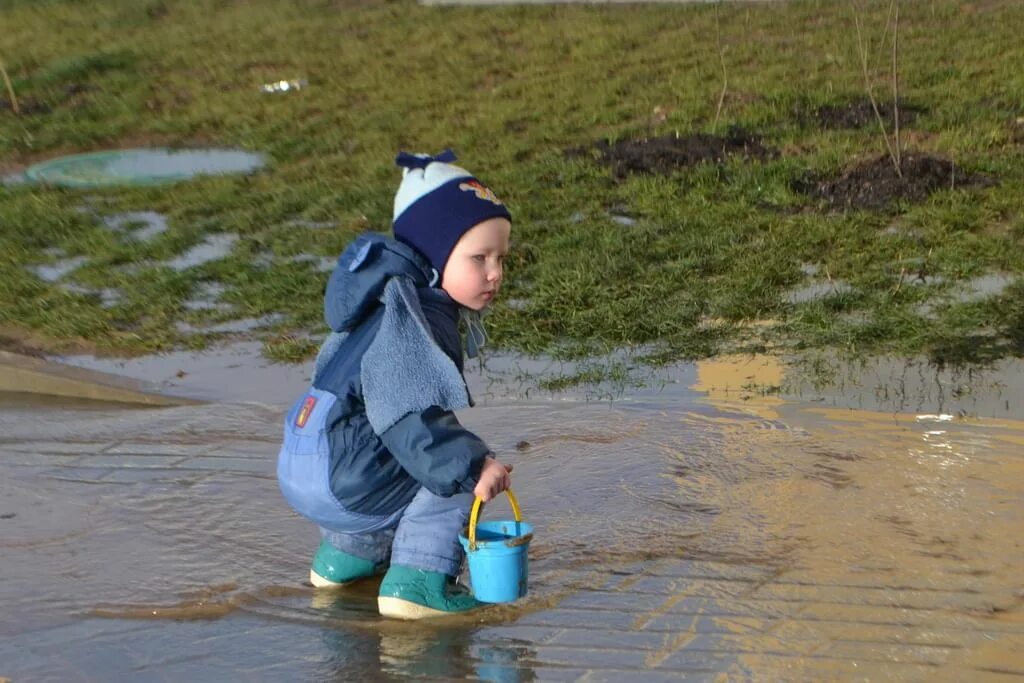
{"type": "Point", "coordinates": [711, 253]}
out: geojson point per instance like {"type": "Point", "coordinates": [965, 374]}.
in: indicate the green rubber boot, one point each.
{"type": "Point", "coordinates": [332, 567]}
{"type": "Point", "coordinates": [408, 593]}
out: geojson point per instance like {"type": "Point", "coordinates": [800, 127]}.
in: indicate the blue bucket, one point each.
{"type": "Point", "coordinates": [497, 555]}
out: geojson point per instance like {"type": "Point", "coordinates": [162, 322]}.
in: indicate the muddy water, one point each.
{"type": "Point", "coordinates": [689, 531]}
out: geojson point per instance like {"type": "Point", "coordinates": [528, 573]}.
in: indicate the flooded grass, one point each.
{"type": "Point", "coordinates": [689, 259]}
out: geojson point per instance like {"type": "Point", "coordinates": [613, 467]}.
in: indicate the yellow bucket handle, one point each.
{"type": "Point", "coordinates": [478, 503]}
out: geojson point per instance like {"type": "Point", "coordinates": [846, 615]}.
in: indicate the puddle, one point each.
{"type": "Point", "coordinates": [55, 271]}
{"type": "Point", "coordinates": [985, 286]}
{"type": "Point", "coordinates": [817, 290]}
{"type": "Point", "coordinates": [904, 386]}
{"type": "Point", "coordinates": [233, 372]}
{"type": "Point", "coordinates": [699, 528]}
{"type": "Point", "coordinates": [212, 248]}
{"type": "Point", "coordinates": [238, 371]}
{"type": "Point", "coordinates": [141, 226]}
{"type": "Point", "coordinates": [232, 326]}
{"type": "Point", "coordinates": [207, 297]}
{"type": "Point", "coordinates": [141, 167]}
{"type": "Point", "coordinates": [108, 297]}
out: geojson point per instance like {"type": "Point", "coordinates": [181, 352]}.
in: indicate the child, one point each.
{"type": "Point", "coordinates": [373, 452]}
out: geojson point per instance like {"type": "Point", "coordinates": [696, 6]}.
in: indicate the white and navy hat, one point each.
{"type": "Point", "coordinates": [437, 203]}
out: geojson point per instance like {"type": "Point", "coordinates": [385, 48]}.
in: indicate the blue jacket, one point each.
{"type": "Point", "coordinates": [378, 473]}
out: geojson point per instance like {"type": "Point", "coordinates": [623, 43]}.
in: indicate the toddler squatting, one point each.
{"type": "Point", "coordinates": [372, 452]}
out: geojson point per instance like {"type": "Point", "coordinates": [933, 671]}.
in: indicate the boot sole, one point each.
{"type": "Point", "coordinates": [396, 608]}
{"type": "Point", "coordinates": [320, 582]}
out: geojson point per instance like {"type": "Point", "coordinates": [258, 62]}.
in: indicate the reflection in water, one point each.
{"type": "Point", "coordinates": [355, 640]}
{"type": "Point", "coordinates": [910, 386]}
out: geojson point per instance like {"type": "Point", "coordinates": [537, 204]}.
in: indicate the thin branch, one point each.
{"type": "Point", "coordinates": [721, 96]}
{"type": "Point", "coordinates": [725, 74]}
{"type": "Point", "coordinates": [896, 86]}
{"type": "Point", "coordinates": [859, 8]}
{"type": "Point", "coordinates": [888, 20]}
{"type": "Point", "coordinates": [871, 94]}
{"type": "Point", "coordinates": [10, 90]}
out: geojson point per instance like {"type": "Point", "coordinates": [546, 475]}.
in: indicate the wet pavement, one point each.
{"type": "Point", "coordinates": [694, 531]}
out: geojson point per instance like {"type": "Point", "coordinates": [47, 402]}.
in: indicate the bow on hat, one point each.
{"type": "Point", "coordinates": [410, 161]}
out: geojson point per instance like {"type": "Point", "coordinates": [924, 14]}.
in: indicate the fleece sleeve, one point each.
{"type": "Point", "coordinates": [437, 451]}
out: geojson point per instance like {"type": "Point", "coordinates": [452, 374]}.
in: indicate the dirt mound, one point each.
{"type": "Point", "coordinates": [857, 113]}
{"type": "Point", "coordinates": [874, 184]}
{"type": "Point", "coordinates": [670, 153]}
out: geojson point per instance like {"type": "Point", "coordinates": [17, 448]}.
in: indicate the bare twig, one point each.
{"type": "Point", "coordinates": [896, 86]}
{"type": "Point", "coordinates": [859, 8]}
{"type": "Point", "coordinates": [725, 74]}
{"type": "Point", "coordinates": [10, 90]}
{"type": "Point", "coordinates": [885, 29]}
{"type": "Point", "coordinates": [721, 96]}
{"type": "Point", "coordinates": [863, 50]}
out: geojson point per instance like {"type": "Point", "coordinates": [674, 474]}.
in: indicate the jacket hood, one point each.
{"type": "Point", "coordinates": [363, 269]}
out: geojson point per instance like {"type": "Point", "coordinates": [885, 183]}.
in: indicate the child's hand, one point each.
{"type": "Point", "coordinates": [493, 479]}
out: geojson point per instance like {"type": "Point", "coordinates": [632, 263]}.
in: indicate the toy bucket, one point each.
{"type": "Point", "coordinates": [497, 554]}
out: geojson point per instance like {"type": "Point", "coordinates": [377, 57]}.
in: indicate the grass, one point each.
{"type": "Point", "coordinates": [705, 267]}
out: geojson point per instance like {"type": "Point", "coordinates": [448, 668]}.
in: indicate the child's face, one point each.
{"type": "Point", "coordinates": [473, 273]}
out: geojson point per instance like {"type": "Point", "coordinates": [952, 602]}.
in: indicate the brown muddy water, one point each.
{"type": "Point", "coordinates": [697, 529]}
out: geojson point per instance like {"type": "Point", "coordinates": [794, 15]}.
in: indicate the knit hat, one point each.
{"type": "Point", "coordinates": [437, 203]}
